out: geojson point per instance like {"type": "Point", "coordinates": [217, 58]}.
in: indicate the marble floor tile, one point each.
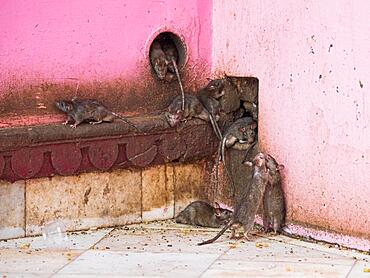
{"type": "Point", "coordinates": [152, 264]}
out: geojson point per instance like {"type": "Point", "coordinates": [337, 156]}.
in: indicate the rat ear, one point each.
{"type": "Point", "coordinates": [248, 163]}
{"type": "Point", "coordinates": [253, 126]}
{"type": "Point", "coordinates": [217, 209]}
{"type": "Point", "coordinates": [280, 167]}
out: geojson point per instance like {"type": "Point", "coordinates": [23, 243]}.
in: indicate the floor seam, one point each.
{"type": "Point", "coordinates": [352, 267]}
{"type": "Point", "coordinates": [211, 264]}
{"type": "Point", "coordinates": [309, 248]}
{"type": "Point", "coordinates": [75, 258]}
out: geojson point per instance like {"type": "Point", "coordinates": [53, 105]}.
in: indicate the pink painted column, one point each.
{"type": "Point", "coordinates": [312, 59]}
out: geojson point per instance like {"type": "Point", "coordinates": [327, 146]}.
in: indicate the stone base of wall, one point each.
{"type": "Point", "coordinates": [99, 199]}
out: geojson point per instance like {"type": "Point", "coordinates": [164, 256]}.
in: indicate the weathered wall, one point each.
{"type": "Point", "coordinates": [48, 47]}
{"type": "Point", "coordinates": [312, 60]}
{"type": "Point", "coordinates": [96, 199]}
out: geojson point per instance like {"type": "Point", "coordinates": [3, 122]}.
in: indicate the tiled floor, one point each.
{"type": "Point", "coordinates": [168, 249]}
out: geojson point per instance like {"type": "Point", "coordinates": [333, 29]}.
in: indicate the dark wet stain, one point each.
{"type": "Point", "coordinates": [106, 190]}
{"type": "Point", "coordinates": [86, 195]}
{"type": "Point", "coordinates": [141, 95]}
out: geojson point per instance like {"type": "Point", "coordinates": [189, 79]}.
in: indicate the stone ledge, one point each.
{"type": "Point", "coordinates": [45, 151]}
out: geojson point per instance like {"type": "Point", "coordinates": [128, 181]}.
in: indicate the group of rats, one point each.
{"type": "Point", "coordinates": [264, 187]}
{"type": "Point", "coordinates": [231, 106]}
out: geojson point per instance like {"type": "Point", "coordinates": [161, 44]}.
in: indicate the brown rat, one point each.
{"type": "Point", "coordinates": [209, 97]}
{"type": "Point", "coordinates": [247, 88]}
{"type": "Point", "coordinates": [88, 110]}
{"type": "Point", "coordinates": [273, 200]}
{"type": "Point", "coordinates": [241, 135]}
{"type": "Point", "coordinates": [170, 51]}
{"type": "Point", "coordinates": [252, 195]}
{"type": "Point", "coordinates": [193, 109]}
{"type": "Point", "coordinates": [243, 132]}
{"type": "Point", "coordinates": [200, 213]}
{"type": "Point", "coordinates": [230, 101]}
{"type": "Point", "coordinates": [251, 109]}
{"type": "Point", "coordinates": [158, 60]}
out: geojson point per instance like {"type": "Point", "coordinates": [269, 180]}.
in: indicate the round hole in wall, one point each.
{"type": "Point", "coordinates": [165, 46]}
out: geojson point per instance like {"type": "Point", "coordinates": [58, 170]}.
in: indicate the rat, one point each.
{"type": "Point", "coordinates": [242, 131]}
{"type": "Point", "coordinates": [209, 96]}
{"type": "Point", "coordinates": [193, 109]}
{"type": "Point", "coordinates": [273, 200]}
{"type": "Point", "coordinates": [251, 109]}
{"type": "Point", "coordinates": [89, 110]}
{"type": "Point", "coordinates": [200, 213]}
{"type": "Point", "coordinates": [247, 87]}
{"type": "Point", "coordinates": [171, 53]}
{"type": "Point", "coordinates": [158, 60]}
{"type": "Point", "coordinates": [252, 195]}
{"type": "Point", "coordinates": [241, 135]}
{"type": "Point", "coordinates": [230, 101]}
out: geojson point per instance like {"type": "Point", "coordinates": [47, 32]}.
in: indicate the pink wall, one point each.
{"type": "Point", "coordinates": [60, 41]}
{"type": "Point", "coordinates": [313, 61]}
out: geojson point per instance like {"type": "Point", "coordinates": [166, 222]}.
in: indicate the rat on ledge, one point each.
{"type": "Point", "coordinates": [88, 110]}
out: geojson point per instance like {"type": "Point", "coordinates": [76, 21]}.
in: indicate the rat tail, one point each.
{"type": "Point", "coordinates": [215, 126]}
{"type": "Point", "coordinates": [220, 233]}
{"type": "Point", "coordinates": [217, 165]}
{"type": "Point", "coordinates": [223, 143]}
{"type": "Point", "coordinates": [125, 120]}
{"type": "Point", "coordinates": [248, 151]}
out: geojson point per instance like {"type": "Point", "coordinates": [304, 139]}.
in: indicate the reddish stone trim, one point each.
{"type": "Point", "coordinates": [46, 151]}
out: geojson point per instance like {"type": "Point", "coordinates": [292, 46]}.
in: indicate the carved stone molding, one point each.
{"type": "Point", "coordinates": [45, 151]}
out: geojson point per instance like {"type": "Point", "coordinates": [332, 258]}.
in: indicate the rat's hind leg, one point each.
{"type": "Point", "coordinates": [69, 119]}
{"type": "Point", "coordinates": [78, 120]}
{"type": "Point", "coordinates": [233, 229]}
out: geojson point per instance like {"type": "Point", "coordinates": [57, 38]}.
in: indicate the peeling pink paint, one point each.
{"type": "Point", "coordinates": [312, 60]}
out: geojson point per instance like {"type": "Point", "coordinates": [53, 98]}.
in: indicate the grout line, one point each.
{"type": "Point", "coordinates": [25, 208]}
{"type": "Point", "coordinates": [211, 264]}
{"type": "Point", "coordinates": [141, 195]}
{"type": "Point", "coordinates": [330, 252]}
{"type": "Point", "coordinates": [352, 267]}
{"type": "Point", "coordinates": [83, 252]}
{"type": "Point", "coordinates": [290, 261]}
{"type": "Point", "coordinates": [174, 190]}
